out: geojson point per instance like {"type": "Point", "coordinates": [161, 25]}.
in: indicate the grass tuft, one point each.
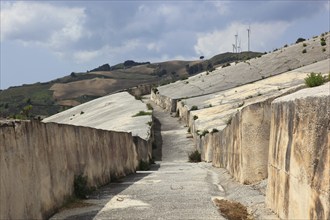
{"type": "Point", "coordinates": [142, 113]}
{"type": "Point", "coordinates": [195, 157]}
{"type": "Point", "coordinates": [314, 79]}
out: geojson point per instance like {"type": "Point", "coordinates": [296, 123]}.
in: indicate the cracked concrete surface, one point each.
{"type": "Point", "coordinates": [172, 189]}
{"type": "Point", "coordinates": [280, 61]}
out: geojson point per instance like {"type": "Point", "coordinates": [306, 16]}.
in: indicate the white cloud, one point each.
{"type": "Point", "coordinates": [222, 7]}
{"type": "Point", "coordinates": [85, 56]}
{"type": "Point", "coordinates": [43, 24]}
{"type": "Point", "coordinates": [221, 41]}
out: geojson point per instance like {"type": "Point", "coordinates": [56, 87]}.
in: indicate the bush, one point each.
{"type": "Point", "coordinates": [304, 45]}
{"type": "Point", "coordinates": [300, 40]}
{"type": "Point", "coordinates": [149, 106]}
{"type": "Point", "coordinates": [193, 108]}
{"type": "Point", "coordinates": [214, 130]}
{"type": "Point", "coordinates": [225, 65]}
{"type": "Point", "coordinates": [314, 79]}
{"type": "Point", "coordinates": [304, 51]}
{"type": "Point", "coordinates": [195, 117]}
{"type": "Point", "coordinates": [143, 165]}
{"type": "Point", "coordinates": [204, 133]}
{"type": "Point", "coordinates": [80, 187]}
{"type": "Point", "coordinates": [195, 157]}
{"type": "Point", "coordinates": [323, 43]}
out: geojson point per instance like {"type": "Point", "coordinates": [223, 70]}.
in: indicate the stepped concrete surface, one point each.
{"type": "Point", "coordinates": [280, 61]}
{"type": "Point", "coordinates": [172, 188]}
{"type": "Point", "coordinates": [113, 112]}
{"type": "Point", "coordinates": [216, 109]}
{"type": "Point", "coordinates": [241, 115]}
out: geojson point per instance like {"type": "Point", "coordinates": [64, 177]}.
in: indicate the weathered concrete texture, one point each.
{"type": "Point", "coordinates": [39, 161]}
{"type": "Point", "coordinates": [242, 117]}
{"type": "Point", "coordinates": [299, 157]}
{"type": "Point", "coordinates": [165, 102]}
{"type": "Point", "coordinates": [242, 146]}
{"type": "Point", "coordinates": [172, 189]}
{"type": "Point", "coordinates": [140, 90]}
{"type": "Point", "coordinates": [112, 112]}
{"type": "Point", "coordinates": [221, 79]}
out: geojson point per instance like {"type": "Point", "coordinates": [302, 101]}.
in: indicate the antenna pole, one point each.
{"type": "Point", "coordinates": [236, 35]}
{"type": "Point", "coordinates": [248, 30]}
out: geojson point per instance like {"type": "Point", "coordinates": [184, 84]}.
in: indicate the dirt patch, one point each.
{"type": "Point", "coordinates": [75, 204]}
{"type": "Point", "coordinates": [232, 210]}
{"type": "Point", "coordinates": [69, 103]}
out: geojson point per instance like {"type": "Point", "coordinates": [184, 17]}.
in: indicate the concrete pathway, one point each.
{"type": "Point", "coordinates": [172, 189]}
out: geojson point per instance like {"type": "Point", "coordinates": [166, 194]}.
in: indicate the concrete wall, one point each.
{"type": "Point", "coordinates": [242, 146]}
{"type": "Point", "coordinates": [39, 161]}
{"type": "Point", "coordinates": [298, 171]}
{"type": "Point", "coordinates": [163, 101]}
{"type": "Point", "coordinates": [140, 90]}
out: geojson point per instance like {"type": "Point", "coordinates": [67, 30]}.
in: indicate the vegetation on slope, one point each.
{"type": "Point", "coordinates": [124, 75]}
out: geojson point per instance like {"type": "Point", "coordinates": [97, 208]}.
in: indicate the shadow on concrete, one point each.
{"type": "Point", "coordinates": [99, 198]}
{"type": "Point", "coordinates": [157, 144]}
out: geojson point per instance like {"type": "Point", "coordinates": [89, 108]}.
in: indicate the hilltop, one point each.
{"type": "Point", "coordinates": [48, 98]}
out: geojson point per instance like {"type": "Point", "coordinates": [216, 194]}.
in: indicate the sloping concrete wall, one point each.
{"type": "Point", "coordinates": [299, 156]}
{"type": "Point", "coordinates": [39, 161]}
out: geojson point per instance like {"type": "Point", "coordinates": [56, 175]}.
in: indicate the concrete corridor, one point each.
{"type": "Point", "coordinates": [171, 189]}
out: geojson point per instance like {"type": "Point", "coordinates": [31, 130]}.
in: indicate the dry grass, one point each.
{"type": "Point", "coordinates": [232, 210]}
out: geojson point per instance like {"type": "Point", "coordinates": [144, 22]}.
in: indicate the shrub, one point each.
{"type": "Point", "coordinates": [149, 106]}
{"type": "Point", "coordinates": [142, 113]}
{"type": "Point", "coordinates": [195, 157]}
{"type": "Point", "coordinates": [285, 45]}
{"type": "Point", "coordinates": [314, 79]}
{"type": "Point", "coordinates": [188, 130]}
{"type": "Point", "coordinates": [304, 45]}
{"type": "Point", "coordinates": [300, 40]}
{"type": "Point", "coordinates": [323, 43]}
{"type": "Point", "coordinates": [204, 133]}
{"type": "Point", "coordinates": [304, 51]}
{"type": "Point", "coordinates": [323, 49]}
{"type": "Point", "coordinates": [193, 108]}
{"type": "Point", "coordinates": [195, 117]}
{"type": "Point", "coordinates": [143, 165]}
{"type": "Point", "coordinates": [80, 187]}
{"type": "Point", "coordinates": [225, 65]}
{"type": "Point", "coordinates": [214, 130]}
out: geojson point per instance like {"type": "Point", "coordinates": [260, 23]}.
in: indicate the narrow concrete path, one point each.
{"type": "Point", "coordinates": [172, 189]}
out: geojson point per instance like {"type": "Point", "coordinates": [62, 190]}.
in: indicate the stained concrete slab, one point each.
{"type": "Point", "coordinates": [280, 61]}
{"type": "Point", "coordinates": [216, 109]}
{"type": "Point", "coordinates": [113, 112]}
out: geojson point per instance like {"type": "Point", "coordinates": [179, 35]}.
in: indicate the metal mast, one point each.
{"type": "Point", "coordinates": [248, 30]}
{"type": "Point", "coordinates": [236, 35]}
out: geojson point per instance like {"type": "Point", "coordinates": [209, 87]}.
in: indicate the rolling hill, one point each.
{"type": "Point", "coordinates": [48, 98]}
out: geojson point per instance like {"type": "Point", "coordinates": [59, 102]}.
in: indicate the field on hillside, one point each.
{"type": "Point", "coordinates": [51, 97]}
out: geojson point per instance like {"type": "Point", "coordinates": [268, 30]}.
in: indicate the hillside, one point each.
{"type": "Point", "coordinates": [54, 96]}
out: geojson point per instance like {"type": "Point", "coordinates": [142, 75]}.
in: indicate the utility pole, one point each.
{"type": "Point", "coordinates": [236, 35]}
{"type": "Point", "coordinates": [248, 30]}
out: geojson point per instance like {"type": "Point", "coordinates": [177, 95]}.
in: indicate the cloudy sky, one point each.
{"type": "Point", "coordinates": [43, 40]}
